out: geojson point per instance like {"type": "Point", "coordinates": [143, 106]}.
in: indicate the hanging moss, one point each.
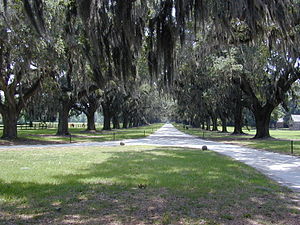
{"type": "Point", "coordinates": [115, 29]}
{"type": "Point", "coordinates": [222, 22]}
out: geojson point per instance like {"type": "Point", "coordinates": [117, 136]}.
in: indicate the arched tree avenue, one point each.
{"type": "Point", "coordinates": [107, 37]}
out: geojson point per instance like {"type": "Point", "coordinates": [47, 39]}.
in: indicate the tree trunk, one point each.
{"type": "Point", "coordinates": [196, 123]}
{"type": "Point", "coordinates": [224, 125]}
{"type": "Point", "coordinates": [107, 117]}
{"type": "Point", "coordinates": [91, 121]}
{"type": "Point", "coordinates": [238, 119]}
{"type": "Point", "coordinates": [215, 123]}
{"type": "Point", "coordinates": [10, 118]}
{"type": "Point", "coordinates": [262, 120]}
{"type": "Point", "coordinates": [135, 122]}
{"type": "Point", "coordinates": [130, 122]}
{"type": "Point", "coordinates": [116, 123]}
{"type": "Point", "coordinates": [63, 125]}
{"type": "Point", "coordinates": [237, 107]}
{"type": "Point", "coordinates": [90, 112]}
{"type": "Point", "coordinates": [125, 121]}
{"type": "Point", "coordinates": [208, 124]}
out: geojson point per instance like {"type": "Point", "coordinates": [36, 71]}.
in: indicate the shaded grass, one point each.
{"type": "Point", "coordinates": [98, 185]}
{"type": "Point", "coordinates": [47, 136]}
{"type": "Point", "coordinates": [281, 141]}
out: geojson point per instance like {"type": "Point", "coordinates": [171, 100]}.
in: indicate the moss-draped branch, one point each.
{"type": "Point", "coordinates": [115, 28]}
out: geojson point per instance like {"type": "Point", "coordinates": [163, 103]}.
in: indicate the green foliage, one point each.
{"type": "Point", "coordinates": [85, 45]}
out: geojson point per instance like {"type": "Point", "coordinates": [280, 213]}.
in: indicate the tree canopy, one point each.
{"type": "Point", "coordinates": [218, 56]}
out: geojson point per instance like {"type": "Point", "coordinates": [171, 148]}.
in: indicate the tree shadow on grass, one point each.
{"type": "Point", "coordinates": [188, 186]}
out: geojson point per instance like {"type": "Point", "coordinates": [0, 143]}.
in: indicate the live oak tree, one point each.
{"type": "Point", "coordinates": [156, 105]}
{"type": "Point", "coordinates": [146, 105]}
{"type": "Point", "coordinates": [203, 86]}
{"type": "Point", "coordinates": [113, 38]}
{"type": "Point", "coordinates": [21, 67]}
{"type": "Point", "coordinates": [114, 30]}
{"type": "Point", "coordinates": [265, 80]}
{"type": "Point", "coordinates": [43, 106]}
{"type": "Point", "coordinates": [225, 71]}
{"type": "Point", "coordinates": [112, 99]}
{"type": "Point", "coordinates": [72, 87]}
{"type": "Point", "coordinates": [70, 64]}
{"type": "Point", "coordinates": [251, 77]}
{"type": "Point", "coordinates": [243, 27]}
{"type": "Point", "coordinates": [89, 104]}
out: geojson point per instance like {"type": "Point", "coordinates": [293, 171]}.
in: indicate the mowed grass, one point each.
{"type": "Point", "coordinates": [47, 136]}
{"type": "Point", "coordinates": [137, 185]}
{"type": "Point", "coordinates": [280, 141]}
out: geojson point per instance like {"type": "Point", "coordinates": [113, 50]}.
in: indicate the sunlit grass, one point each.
{"type": "Point", "coordinates": [281, 141]}
{"type": "Point", "coordinates": [101, 184]}
{"type": "Point", "coordinates": [79, 135]}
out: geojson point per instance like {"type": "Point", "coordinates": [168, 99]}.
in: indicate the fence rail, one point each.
{"type": "Point", "coordinates": [29, 127]}
{"type": "Point", "coordinates": [41, 126]}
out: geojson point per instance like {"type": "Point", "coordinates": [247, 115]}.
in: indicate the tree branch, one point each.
{"type": "Point", "coordinates": [247, 89]}
{"type": "Point", "coordinates": [28, 94]}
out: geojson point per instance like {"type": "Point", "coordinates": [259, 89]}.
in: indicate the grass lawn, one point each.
{"type": "Point", "coordinates": [137, 185]}
{"type": "Point", "coordinates": [47, 136]}
{"type": "Point", "coordinates": [281, 141]}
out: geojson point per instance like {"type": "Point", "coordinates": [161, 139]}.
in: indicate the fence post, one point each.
{"type": "Point", "coordinates": [114, 136]}
{"type": "Point", "coordinates": [70, 138]}
{"type": "Point", "coordinates": [145, 133]}
{"type": "Point", "coordinates": [292, 147]}
{"type": "Point", "coordinates": [203, 135]}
